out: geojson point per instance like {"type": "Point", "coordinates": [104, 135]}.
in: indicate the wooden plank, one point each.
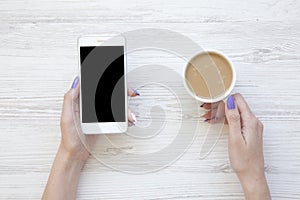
{"type": "Point", "coordinates": [153, 11]}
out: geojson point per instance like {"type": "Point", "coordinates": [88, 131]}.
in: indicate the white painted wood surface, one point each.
{"type": "Point", "coordinates": [38, 58]}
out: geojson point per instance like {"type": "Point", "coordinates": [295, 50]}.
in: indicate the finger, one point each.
{"type": "Point", "coordinates": [210, 114]}
{"type": "Point", "coordinates": [75, 90]}
{"type": "Point", "coordinates": [243, 107]}
{"type": "Point", "coordinates": [210, 105]}
{"type": "Point", "coordinates": [75, 98]}
{"type": "Point", "coordinates": [233, 118]}
{"type": "Point", "coordinates": [130, 124]}
{"type": "Point", "coordinates": [130, 119]}
{"type": "Point", "coordinates": [70, 103]}
{"type": "Point", "coordinates": [219, 116]}
{"type": "Point", "coordinates": [220, 111]}
{"type": "Point", "coordinates": [206, 105]}
{"type": "Point", "coordinates": [248, 119]}
{"type": "Point", "coordinates": [133, 92]}
{"type": "Point", "coordinates": [131, 116]}
{"type": "Point", "coordinates": [72, 95]}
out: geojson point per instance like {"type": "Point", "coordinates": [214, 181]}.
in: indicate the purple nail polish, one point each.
{"type": "Point", "coordinates": [135, 91]}
{"type": "Point", "coordinates": [230, 103]}
{"type": "Point", "coordinates": [75, 82]}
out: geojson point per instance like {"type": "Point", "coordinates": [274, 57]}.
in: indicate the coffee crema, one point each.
{"type": "Point", "coordinates": [208, 75]}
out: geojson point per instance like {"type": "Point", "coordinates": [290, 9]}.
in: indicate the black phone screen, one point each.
{"type": "Point", "coordinates": [102, 84]}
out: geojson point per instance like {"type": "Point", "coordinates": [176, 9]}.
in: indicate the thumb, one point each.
{"type": "Point", "coordinates": [75, 89]}
{"type": "Point", "coordinates": [71, 99]}
{"type": "Point", "coordinates": [234, 120]}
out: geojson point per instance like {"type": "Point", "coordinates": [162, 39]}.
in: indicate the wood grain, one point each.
{"type": "Point", "coordinates": [38, 59]}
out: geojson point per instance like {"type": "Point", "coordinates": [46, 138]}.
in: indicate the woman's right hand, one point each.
{"type": "Point", "coordinates": [245, 146]}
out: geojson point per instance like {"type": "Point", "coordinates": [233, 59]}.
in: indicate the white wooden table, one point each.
{"type": "Point", "coordinates": [38, 58]}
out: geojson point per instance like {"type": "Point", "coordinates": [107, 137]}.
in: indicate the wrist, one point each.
{"type": "Point", "coordinates": [64, 176]}
{"type": "Point", "coordinates": [70, 159]}
{"type": "Point", "coordinates": [255, 186]}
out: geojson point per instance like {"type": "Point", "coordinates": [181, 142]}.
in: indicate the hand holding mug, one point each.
{"type": "Point", "coordinates": [245, 146]}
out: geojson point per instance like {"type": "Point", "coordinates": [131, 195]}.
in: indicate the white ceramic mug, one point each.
{"type": "Point", "coordinates": [219, 97]}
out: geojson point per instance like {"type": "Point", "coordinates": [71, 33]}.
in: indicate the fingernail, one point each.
{"type": "Point", "coordinates": [230, 103]}
{"type": "Point", "coordinates": [133, 117]}
{"type": "Point", "coordinates": [75, 82]}
{"type": "Point", "coordinates": [202, 105]}
{"type": "Point", "coordinates": [135, 91]}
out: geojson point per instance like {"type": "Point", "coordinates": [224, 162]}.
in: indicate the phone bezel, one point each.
{"type": "Point", "coordinates": [103, 127]}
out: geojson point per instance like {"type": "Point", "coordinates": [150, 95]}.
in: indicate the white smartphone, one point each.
{"type": "Point", "coordinates": [103, 89]}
